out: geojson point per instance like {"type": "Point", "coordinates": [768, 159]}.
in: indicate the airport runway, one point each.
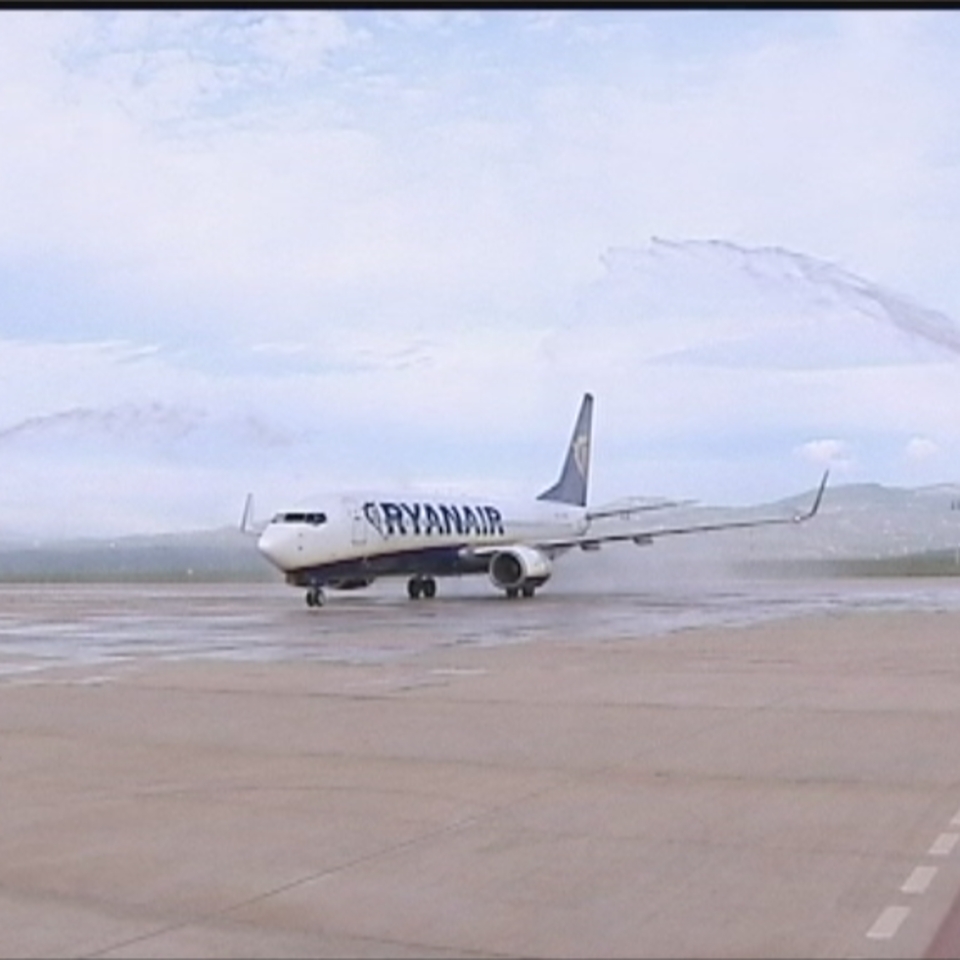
{"type": "Point", "coordinates": [46, 625]}
{"type": "Point", "coordinates": [735, 769]}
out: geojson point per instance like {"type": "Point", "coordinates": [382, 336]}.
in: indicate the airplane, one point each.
{"type": "Point", "coordinates": [349, 539]}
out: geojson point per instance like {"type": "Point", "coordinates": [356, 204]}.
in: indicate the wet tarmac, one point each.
{"type": "Point", "coordinates": [55, 625]}
{"type": "Point", "coordinates": [216, 770]}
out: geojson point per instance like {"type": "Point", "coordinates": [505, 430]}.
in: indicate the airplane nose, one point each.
{"type": "Point", "coordinates": [281, 547]}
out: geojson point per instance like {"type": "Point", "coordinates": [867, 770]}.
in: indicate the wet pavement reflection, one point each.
{"type": "Point", "coordinates": [54, 625]}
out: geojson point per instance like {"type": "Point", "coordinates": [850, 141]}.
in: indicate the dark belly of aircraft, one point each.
{"type": "Point", "coordinates": [435, 562]}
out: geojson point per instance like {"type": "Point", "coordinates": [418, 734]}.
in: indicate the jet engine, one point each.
{"type": "Point", "coordinates": [519, 567]}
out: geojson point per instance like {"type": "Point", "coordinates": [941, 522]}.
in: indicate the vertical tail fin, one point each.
{"type": "Point", "coordinates": [571, 487]}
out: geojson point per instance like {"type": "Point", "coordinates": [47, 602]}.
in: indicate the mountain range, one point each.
{"type": "Point", "coordinates": [861, 529]}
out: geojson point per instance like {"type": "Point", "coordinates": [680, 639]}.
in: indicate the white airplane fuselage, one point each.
{"type": "Point", "coordinates": [348, 539]}
{"type": "Point", "coordinates": [344, 539]}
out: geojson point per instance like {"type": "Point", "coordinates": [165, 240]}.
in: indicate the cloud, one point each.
{"type": "Point", "coordinates": [774, 338]}
{"type": "Point", "coordinates": [921, 448]}
{"type": "Point", "coordinates": [199, 163]}
{"type": "Point", "coordinates": [407, 241]}
{"type": "Point", "coordinates": [146, 428]}
{"type": "Point", "coordinates": [828, 452]}
{"type": "Point", "coordinates": [773, 308]}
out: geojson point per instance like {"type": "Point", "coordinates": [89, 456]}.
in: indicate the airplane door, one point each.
{"type": "Point", "coordinates": [359, 536]}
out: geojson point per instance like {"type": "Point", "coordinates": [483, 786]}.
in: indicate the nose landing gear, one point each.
{"type": "Point", "coordinates": [315, 597]}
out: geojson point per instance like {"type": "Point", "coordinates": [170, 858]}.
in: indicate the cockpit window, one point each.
{"type": "Point", "coordinates": [314, 518]}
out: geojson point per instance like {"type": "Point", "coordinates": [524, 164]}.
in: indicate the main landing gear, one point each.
{"type": "Point", "coordinates": [315, 597]}
{"type": "Point", "coordinates": [513, 592]}
{"type": "Point", "coordinates": [421, 587]}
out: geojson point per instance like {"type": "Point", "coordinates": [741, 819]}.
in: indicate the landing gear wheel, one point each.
{"type": "Point", "coordinates": [421, 587]}
{"type": "Point", "coordinates": [527, 591]}
{"type": "Point", "coordinates": [315, 597]}
{"type": "Point", "coordinates": [512, 593]}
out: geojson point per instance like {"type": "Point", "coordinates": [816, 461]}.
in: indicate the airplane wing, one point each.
{"type": "Point", "coordinates": [647, 535]}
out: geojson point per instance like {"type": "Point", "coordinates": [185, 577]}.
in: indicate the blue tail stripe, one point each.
{"type": "Point", "coordinates": [571, 487]}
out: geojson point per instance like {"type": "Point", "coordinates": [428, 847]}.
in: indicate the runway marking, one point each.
{"type": "Point", "coordinates": [888, 923]}
{"type": "Point", "coordinates": [919, 880]}
{"type": "Point", "coordinates": [944, 844]}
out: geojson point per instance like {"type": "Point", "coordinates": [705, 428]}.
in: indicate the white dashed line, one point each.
{"type": "Point", "coordinates": [919, 880]}
{"type": "Point", "coordinates": [888, 923]}
{"type": "Point", "coordinates": [944, 844]}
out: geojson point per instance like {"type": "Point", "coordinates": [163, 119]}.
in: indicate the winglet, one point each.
{"type": "Point", "coordinates": [571, 486]}
{"type": "Point", "coordinates": [246, 520]}
{"type": "Point", "coordinates": [800, 517]}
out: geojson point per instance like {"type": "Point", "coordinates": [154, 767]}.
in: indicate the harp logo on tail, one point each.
{"type": "Point", "coordinates": [581, 453]}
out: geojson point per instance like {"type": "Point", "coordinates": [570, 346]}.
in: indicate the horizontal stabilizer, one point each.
{"type": "Point", "coordinates": [624, 509]}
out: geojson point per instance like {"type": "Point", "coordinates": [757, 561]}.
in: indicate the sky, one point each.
{"type": "Point", "coordinates": [281, 252]}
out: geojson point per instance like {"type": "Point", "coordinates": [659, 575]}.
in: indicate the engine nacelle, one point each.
{"type": "Point", "coordinates": [518, 567]}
